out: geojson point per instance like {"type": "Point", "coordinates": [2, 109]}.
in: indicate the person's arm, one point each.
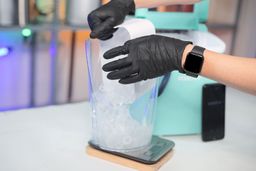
{"type": "Point", "coordinates": [237, 72]}
{"type": "Point", "coordinates": [156, 3]}
{"type": "Point", "coordinates": [153, 56]}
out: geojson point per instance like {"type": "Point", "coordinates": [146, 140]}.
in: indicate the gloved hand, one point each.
{"type": "Point", "coordinates": [103, 20]}
{"type": "Point", "coordinates": [147, 57]}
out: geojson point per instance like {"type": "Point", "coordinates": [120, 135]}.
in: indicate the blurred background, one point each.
{"type": "Point", "coordinates": [42, 46]}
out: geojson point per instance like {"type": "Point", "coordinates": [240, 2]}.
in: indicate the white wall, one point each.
{"type": "Point", "coordinates": [222, 12]}
{"type": "Point", "coordinates": [245, 43]}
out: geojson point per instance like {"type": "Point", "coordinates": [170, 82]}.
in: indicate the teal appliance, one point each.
{"type": "Point", "coordinates": [178, 20]}
{"type": "Point", "coordinates": [179, 103]}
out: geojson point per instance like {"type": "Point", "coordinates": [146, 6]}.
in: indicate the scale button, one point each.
{"type": "Point", "coordinates": [160, 143]}
{"type": "Point", "coordinates": [148, 153]}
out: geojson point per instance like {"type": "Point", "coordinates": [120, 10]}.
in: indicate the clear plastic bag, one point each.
{"type": "Point", "coordinates": [122, 115]}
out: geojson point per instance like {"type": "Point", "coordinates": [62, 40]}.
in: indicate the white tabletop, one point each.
{"type": "Point", "coordinates": [54, 138]}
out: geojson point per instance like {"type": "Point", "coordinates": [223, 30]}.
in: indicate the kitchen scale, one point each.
{"type": "Point", "coordinates": [149, 155]}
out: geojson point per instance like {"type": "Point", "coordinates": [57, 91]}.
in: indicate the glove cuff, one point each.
{"type": "Point", "coordinates": [128, 4]}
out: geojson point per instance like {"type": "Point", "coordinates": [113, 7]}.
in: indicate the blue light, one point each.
{"type": "Point", "coordinates": [4, 51]}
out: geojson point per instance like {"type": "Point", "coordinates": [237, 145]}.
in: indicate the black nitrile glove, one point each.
{"type": "Point", "coordinates": [147, 57]}
{"type": "Point", "coordinates": [103, 20]}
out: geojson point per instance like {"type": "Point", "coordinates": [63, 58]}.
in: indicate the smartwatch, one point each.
{"type": "Point", "coordinates": [194, 61]}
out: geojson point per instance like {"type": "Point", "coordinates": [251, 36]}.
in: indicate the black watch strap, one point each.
{"type": "Point", "coordinates": [198, 50]}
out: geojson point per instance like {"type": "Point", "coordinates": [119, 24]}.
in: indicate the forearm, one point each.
{"type": "Point", "coordinates": [156, 3]}
{"type": "Point", "coordinates": [233, 71]}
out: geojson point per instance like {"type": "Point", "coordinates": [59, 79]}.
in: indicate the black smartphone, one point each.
{"type": "Point", "coordinates": [213, 112]}
{"type": "Point", "coordinates": [151, 154]}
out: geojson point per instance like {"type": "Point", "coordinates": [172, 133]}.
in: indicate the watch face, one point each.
{"type": "Point", "coordinates": [193, 63]}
